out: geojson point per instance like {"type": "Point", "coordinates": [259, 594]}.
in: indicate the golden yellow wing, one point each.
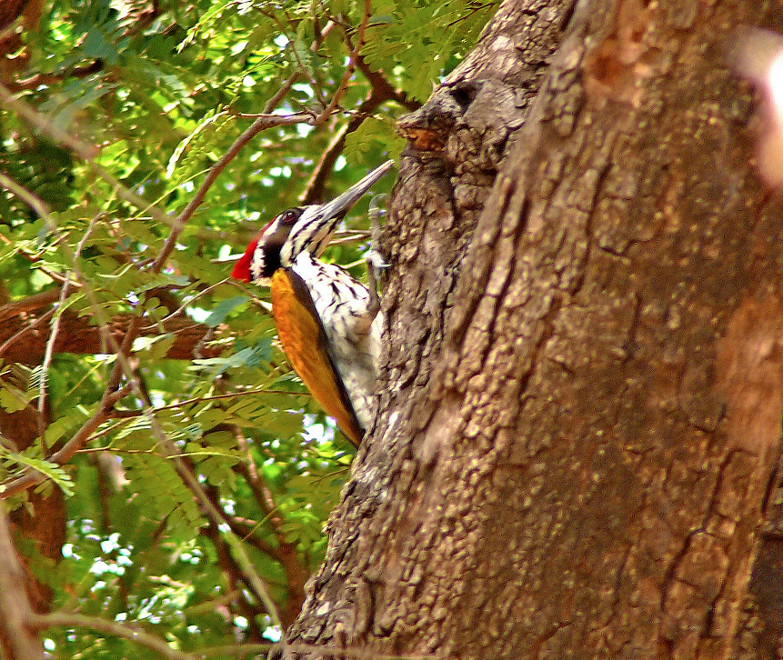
{"type": "Point", "coordinates": [304, 341]}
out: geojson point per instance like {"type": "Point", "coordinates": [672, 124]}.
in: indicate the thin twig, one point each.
{"type": "Point", "coordinates": [323, 168]}
{"type": "Point", "coordinates": [189, 302]}
{"type": "Point", "coordinates": [62, 456]}
{"type": "Point", "coordinates": [49, 352]}
{"type": "Point", "coordinates": [113, 450]}
{"type": "Point", "coordinates": [261, 493]}
{"type": "Point", "coordinates": [67, 620]}
{"type": "Point", "coordinates": [33, 259]}
{"type": "Point", "coordinates": [378, 94]}
{"type": "Point", "coordinates": [302, 68]}
{"type": "Point", "coordinates": [40, 208]}
{"type": "Point", "coordinates": [279, 95]}
{"type": "Point", "coordinates": [86, 152]}
{"type": "Point", "coordinates": [203, 399]}
{"type": "Point", "coordinates": [329, 109]}
{"type": "Point", "coordinates": [262, 123]}
{"type": "Point", "coordinates": [35, 81]}
{"type": "Point", "coordinates": [236, 581]}
{"type": "Point", "coordinates": [350, 236]}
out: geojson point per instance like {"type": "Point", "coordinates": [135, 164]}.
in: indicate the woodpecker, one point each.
{"type": "Point", "coordinates": [329, 324]}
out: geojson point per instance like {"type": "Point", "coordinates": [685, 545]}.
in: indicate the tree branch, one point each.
{"type": "Point", "coordinates": [49, 351]}
{"type": "Point", "coordinates": [380, 92]}
{"type": "Point", "coordinates": [29, 304]}
{"type": "Point", "coordinates": [79, 439]}
{"type": "Point", "coordinates": [86, 152]}
{"type": "Point", "coordinates": [329, 109]}
{"type": "Point", "coordinates": [233, 573]}
{"type": "Point", "coordinates": [65, 620]}
{"type": "Point", "coordinates": [35, 81]}
{"type": "Point", "coordinates": [78, 335]}
{"type": "Point", "coordinates": [381, 86]}
{"type": "Point", "coordinates": [15, 613]}
{"type": "Point", "coordinates": [262, 123]}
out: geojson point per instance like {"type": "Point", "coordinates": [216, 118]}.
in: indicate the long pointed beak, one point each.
{"type": "Point", "coordinates": [343, 202]}
{"type": "Point", "coordinates": [315, 226]}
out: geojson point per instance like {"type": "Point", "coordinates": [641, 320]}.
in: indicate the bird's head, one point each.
{"type": "Point", "coordinates": [300, 229]}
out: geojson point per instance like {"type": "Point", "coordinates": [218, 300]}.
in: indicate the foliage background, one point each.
{"type": "Point", "coordinates": [205, 489]}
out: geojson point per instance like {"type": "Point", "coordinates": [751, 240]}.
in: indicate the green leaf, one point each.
{"type": "Point", "coordinates": [158, 99]}
{"type": "Point", "coordinates": [12, 400]}
{"type": "Point", "coordinates": [156, 347]}
{"type": "Point", "coordinates": [52, 471]}
{"type": "Point", "coordinates": [223, 309]}
{"type": "Point", "coordinates": [95, 45]}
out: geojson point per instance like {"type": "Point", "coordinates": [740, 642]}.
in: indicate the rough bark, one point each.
{"type": "Point", "coordinates": [579, 415]}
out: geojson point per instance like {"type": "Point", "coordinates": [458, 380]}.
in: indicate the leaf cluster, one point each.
{"type": "Point", "coordinates": [157, 92]}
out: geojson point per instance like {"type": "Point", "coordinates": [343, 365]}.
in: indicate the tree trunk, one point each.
{"type": "Point", "coordinates": [580, 406]}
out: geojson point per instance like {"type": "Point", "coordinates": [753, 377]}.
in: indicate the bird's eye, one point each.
{"type": "Point", "coordinates": [289, 217]}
